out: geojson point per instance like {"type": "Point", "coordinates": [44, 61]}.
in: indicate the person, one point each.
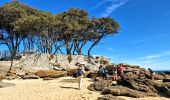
{"type": "Point", "coordinates": [121, 70]}
{"type": "Point", "coordinates": [104, 73]}
{"type": "Point", "coordinates": [80, 73]}
{"type": "Point", "coordinates": [151, 73]}
{"type": "Point", "coordinates": [100, 71]}
{"type": "Point", "coordinates": [114, 73]}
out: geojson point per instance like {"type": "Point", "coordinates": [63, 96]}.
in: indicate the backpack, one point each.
{"type": "Point", "coordinates": [102, 70]}
{"type": "Point", "coordinates": [79, 72]}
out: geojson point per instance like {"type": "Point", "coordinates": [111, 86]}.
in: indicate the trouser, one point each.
{"type": "Point", "coordinates": [80, 82]}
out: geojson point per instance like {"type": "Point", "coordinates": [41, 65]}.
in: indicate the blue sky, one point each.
{"type": "Point", "coordinates": [145, 28]}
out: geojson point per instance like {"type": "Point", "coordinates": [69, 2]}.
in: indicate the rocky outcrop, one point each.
{"type": "Point", "coordinates": [50, 73]}
{"type": "Point", "coordinates": [124, 91]}
{"type": "Point", "coordinates": [144, 85]}
{"type": "Point", "coordinates": [99, 86]}
{"type": "Point", "coordinates": [135, 83]}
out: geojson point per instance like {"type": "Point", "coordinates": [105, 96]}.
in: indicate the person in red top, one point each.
{"type": "Point", "coordinates": [121, 70]}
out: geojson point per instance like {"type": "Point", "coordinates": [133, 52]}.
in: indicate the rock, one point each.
{"type": "Point", "coordinates": [166, 76]}
{"type": "Point", "coordinates": [30, 72]}
{"type": "Point", "coordinates": [11, 77]}
{"type": "Point", "coordinates": [124, 91]}
{"type": "Point", "coordinates": [158, 77]}
{"type": "Point", "coordinates": [166, 80]}
{"type": "Point", "coordinates": [71, 72]}
{"type": "Point", "coordinates": [2, 84]}
{"type": "Point", "coordinates": [93, 75]}
{"type": "Point", "coordinates": [4, 69]}
{"type": "Point", "coordinates": [144, 85]}
{"type": "Point", "coordinates": [30, 77]}
{"type": "Point", "coordinates": [109, 97]}
{"type": "Point", "coordinates": [163, 88]}
{"type": "Point", "coordinates": [1, 78]}
{"type": "Point", "coordinates": [50, 73]}
{"type": "Point", "coordinates": [99, 86]}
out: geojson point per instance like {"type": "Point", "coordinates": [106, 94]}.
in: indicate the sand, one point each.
{"type": "Point", "coordinates": [64, 88]}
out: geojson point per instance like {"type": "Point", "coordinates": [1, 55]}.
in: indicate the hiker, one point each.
{"type": "Point", "coordinates": [102, 72]}
{"type": "Point", "coordinates": [151, 73]}
{"type": "Point", "coordinates": [121, 70]}
{"type": "Point", "coordinates": [114, 69]}
{"type": "Point", "coordinates": [80, 72]}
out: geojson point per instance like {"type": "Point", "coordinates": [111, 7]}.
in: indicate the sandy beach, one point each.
{"type": "Point", "coordinates": [64, 88]}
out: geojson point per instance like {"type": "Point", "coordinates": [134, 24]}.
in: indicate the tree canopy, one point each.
{"type": "Point", "coordinates": [48, 33]}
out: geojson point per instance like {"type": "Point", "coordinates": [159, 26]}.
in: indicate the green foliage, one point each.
{"type": "Point", "coordinates": [71, 29]}
{"type": "Point", "coordinates": [103, 61]}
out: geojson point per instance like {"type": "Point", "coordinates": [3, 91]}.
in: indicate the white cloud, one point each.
{"type": "Point", "coordinates": [160, 61]}
{"type": "Point", "coordinates": [101, 3]}
{"type": "Point", "coordinates": [156, 56]}
{"type": "Point", "coordinates": [115, 5]}
{"type": "Point", "coordinates": [110, 49]}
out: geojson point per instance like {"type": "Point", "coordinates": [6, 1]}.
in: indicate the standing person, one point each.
{"type": "Point", "coordinates": [104, 73]}
{"type": "Point", "coordinates": [121, 70]}
{"type": "Point", "coordinates": [151, 73]}
{"type": "Point", "coordinates": [80, 72]}
{"type": "Point", "coordinates": [100, 71]}
{"type": "Point", "coordinates": [114, 73]}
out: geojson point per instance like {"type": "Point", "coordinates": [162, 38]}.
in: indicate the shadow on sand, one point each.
{"type": "Point", "coordinates": [69, 80]}
{"type": "Point", "coordinates": [68, 87]}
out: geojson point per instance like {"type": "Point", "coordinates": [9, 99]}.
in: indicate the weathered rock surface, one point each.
{"type": "Point", "coordinates": [166, 80]}
{"type": "Point", "coordinates": [71, 72]}
{"type": "Point", "coordinates": [144, 85]}
{"type": "Point", "coordinates": [124, 91]}
{"type": "Point", "coordinates": [30, 77]}
{"type": "Point", "coordinates": [50, 73]}
{"type": "Point", "coordinates": [1, 78]}
{"type": "Point", "coordinates": [4, 69]}
{"type": "Point", "coordinates": [109, 97]}
{"type": "Point", "coordinates": [2, 84]}
{"type": "Point", "coordinates": [99, 86]}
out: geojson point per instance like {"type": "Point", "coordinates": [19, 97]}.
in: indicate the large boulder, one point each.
{"type": "Point", "coordinates": [124, 91]}
{"type": "Point", "coordinates": [99, 86]}
{"type": "Point", "coordinates": [50, 73]}
{"type": "Point", "coordinates": [162, 88]}
{"type": "Point", "coordinates": [144, 85]}
{"type": "Point", "coordinates": [109, 97]}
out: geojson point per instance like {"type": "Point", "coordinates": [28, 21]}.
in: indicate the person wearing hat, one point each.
{"type": "Point", "coordinates": [80, 72]}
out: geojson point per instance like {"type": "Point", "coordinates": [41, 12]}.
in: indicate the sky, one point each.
{"type": "Point", "coordinates": [144, 38]}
